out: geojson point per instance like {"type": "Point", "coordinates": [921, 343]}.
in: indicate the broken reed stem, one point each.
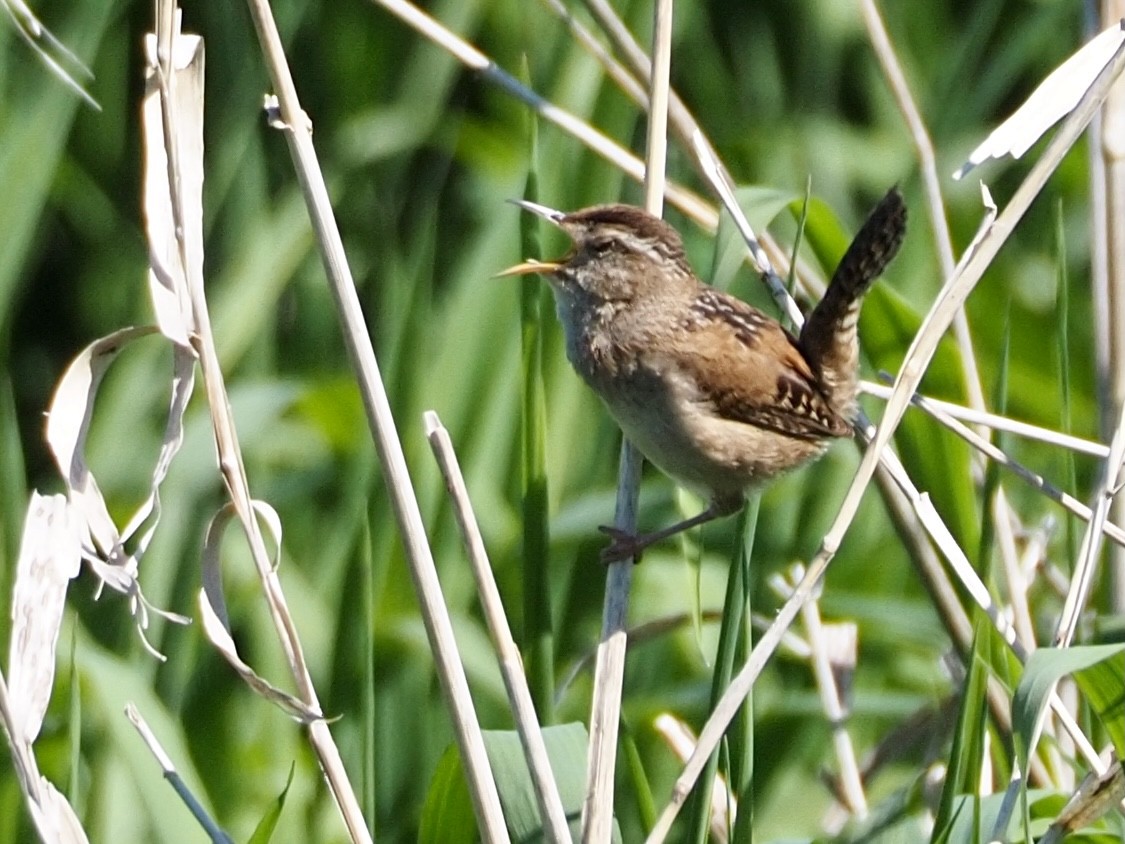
{"type": "Point", "coordinates": [551, 809]}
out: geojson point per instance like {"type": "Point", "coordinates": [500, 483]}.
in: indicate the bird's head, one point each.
{"type": "Point", "coordinates": [620, 254]}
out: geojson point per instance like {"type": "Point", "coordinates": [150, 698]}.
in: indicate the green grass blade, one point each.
{"type": "Point", "coordinates": [802, 218]}
{"type": "Point", "coordinates": [37, 117]}
{"type": "Point", "coordinates": [740, 774]}
{"type": "Point", "coordinates": [538, 644]}
{"type": "Point", "coordinates": [732, 628]}
{"type": "Point", "coordinates": [634, 764]}
{"type": "Point", "coordinates": [966, 754]}
{"type": "Point", "coordinates": [13, 494]}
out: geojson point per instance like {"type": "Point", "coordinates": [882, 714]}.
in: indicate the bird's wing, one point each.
{"type": "Point", "coordinates": [751, 370]}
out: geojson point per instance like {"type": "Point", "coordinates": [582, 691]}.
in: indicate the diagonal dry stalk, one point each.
{"type": "Point", "coordinates": [939, 412]}
{"type": "Point", "coordinates": [924, 148]}
{"type": "Point", "coordinates": [294, 123]}
{"type": "Point", "coordinates": [691, 204]}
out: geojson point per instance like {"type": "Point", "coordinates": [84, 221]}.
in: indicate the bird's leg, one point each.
{"type": "Point", "coordinates": [625, 544]}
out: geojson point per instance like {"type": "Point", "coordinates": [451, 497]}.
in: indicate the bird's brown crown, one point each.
{"type": "Point", "coordinates": [624, 221]}
{"type": "Point", "coordinates": [622, 252]}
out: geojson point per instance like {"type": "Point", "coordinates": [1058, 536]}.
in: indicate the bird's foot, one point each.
{"type": "Point", "coordinates": [623, 545]}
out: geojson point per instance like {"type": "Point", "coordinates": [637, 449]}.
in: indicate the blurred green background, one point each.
{"type": "Point", "coordinates": [420, 156]}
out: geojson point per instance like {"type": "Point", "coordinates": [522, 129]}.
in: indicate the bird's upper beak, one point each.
{"type": "Point", "coordinates": [532, 266]}
{"type": "Point", "coordinates": [548, 214]}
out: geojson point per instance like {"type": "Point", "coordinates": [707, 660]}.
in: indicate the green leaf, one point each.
{"type": "Point", "coordinates": [760, 205]}
{"type": "Point", "coordinates": [634, 765]}
{"type": "Point", "coordinates": [1045, 806]}
{"type": "Point", "coordinates": [264, 830]}
{"type": "Point", "coordinates": [566, 748]}
{"type": "Point", "coordinates": [1044, 668]}
{"type": "Point", "coordinates": [1103, 684]}
{"type": "Point", "coordinates": [447, 817]}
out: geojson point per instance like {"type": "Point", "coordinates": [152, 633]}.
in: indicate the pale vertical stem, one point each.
{"type": "Point", "coordinates": [686, 128]}
{"type": "Point", "coordinates": [1111, 259]}
{"type": "Point", "coordinates": [609, 670]}
{"type": "Point", "coordinates": [657, 139]}
{"type": "Point", "coordinates": [439, 629]}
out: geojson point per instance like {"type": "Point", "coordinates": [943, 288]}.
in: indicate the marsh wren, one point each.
{"type": "Point", "coordinates": [711, 390]}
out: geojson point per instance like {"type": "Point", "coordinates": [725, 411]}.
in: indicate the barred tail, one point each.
{"type": "Point", "coordinates": [828, 339]}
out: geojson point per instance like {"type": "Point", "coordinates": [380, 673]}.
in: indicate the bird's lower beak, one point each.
{"type": "Point", "coordinates": [531, 266]}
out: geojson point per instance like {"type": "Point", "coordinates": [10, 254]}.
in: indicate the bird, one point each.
{"type": "Point", "coordinates": [712, 391]}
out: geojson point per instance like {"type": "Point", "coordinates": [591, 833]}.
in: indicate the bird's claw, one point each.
{"type": "Point", "coordinates": [623, 545]}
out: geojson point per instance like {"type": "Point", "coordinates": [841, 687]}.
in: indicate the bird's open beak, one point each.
{"type": "Point", "coordinates": [532, 266]}
{"type": "Point", "coordinates": [529, 267]}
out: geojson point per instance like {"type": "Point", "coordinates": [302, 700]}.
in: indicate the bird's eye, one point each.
{"type": "Point", "coordinates": [601, 245]}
